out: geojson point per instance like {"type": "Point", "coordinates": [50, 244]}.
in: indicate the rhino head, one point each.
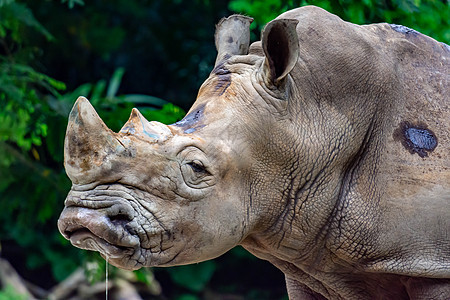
{"type": "Point", "coordinates": [150, 194]}
{"type": "Point", "coordinates": [161, 195]}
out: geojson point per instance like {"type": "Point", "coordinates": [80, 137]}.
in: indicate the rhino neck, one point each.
{"type": "Point", "coordinates": [317, 199]}
{"type": "Point", "coordinates": [399, 173]}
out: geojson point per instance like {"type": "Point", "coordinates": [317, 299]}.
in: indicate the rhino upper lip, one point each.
{"type": "Point", "coordinates": [107, 227]}
{"type": "Point", "coordinates": [73, 232]}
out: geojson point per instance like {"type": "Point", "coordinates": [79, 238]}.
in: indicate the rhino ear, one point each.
{"type": "Point", "coordinates": [280, 46]}
{"type": "Point", "coordinates": [232, 36]}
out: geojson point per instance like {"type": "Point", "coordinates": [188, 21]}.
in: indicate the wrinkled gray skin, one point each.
{"type": "Point", "coordinates": [323, 149]}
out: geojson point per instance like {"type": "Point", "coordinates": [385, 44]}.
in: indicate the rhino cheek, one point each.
{"type": "Point", "coordinates": [220, 230]}
{"type": "Point", "coordinates": [194, 232]}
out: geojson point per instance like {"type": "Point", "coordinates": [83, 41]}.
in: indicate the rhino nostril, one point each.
{"type": "Point", "coordinates": [67, 234]}
{"type": "Point", "coordinates": [120, 219]}
{"type": "Point", "coordinates": [119, 214]}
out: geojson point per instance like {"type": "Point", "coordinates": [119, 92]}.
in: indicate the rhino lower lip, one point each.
{"type": "Point", "coordinates": [85, 239]}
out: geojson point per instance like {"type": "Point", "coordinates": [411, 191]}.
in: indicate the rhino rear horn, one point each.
{"type": "Point", "coordinates": [137, 125]}
{"type": "Point", "coordinates": [280, 46]}
{"type": "Point", "coordinates": [232, 36]}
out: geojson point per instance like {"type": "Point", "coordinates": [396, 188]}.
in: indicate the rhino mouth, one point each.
{"type": "Point", "coordinates": [85, 239]}
{"type": "Point", "coordinates": [99, 230]}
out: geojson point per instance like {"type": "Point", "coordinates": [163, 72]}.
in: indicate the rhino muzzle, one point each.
{"type": "Point", "coordinates": [104, 229]}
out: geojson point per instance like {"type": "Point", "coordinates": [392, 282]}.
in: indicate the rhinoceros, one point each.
{"type": "Point", "coordinates": [323, 149]}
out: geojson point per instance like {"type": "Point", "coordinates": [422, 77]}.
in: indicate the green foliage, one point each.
{"type": "Point", "coordinates": [431, 17]}
{"type": "Point", "coordinates": [95, 267]}
{"type": "Point", "coordinates": [193, 277]}
{"type": "Point", "coordinates": [20, 83]}
{"type": "Point", "coordinates": [187, 297]}
{"type": "Point", "coordinates": [14, 16]}
{"type": "Point", "coordinates": [9, 292]}
{"type": "Point", "coordinates": [165, 54]}
{"type": "Point", "coordinates": [72, 3]}
{"type": "Point", "coordinates": [24, 125]}
{"type": "Point", "coordinates": [115, 109]}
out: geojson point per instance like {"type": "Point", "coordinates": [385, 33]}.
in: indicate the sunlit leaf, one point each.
{"type": "Point", "coordinates": [144, 99]}
{"type": "Point", "coordinates": [114, 83]}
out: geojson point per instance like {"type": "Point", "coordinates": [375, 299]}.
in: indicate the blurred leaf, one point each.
{"type": "Point", "coordinates": [10, 293]}
{"type": "Point", "coordinates": [23, 14]}
{"type": "Point", "coordinates": [187, 297]}
{"type": "Point", "coordinates": [97, 92]}
{"type": "Point", "coordinates": [115, 83]}
{"type": "Point", "coordinates": [146, 276]}
{"type": "Point", "coordinates": [169, 114]}
{"type": "Point", "coordinates": [144, 99]}
{"type": "Point", "coordinates": [71, 3]}
{"type": "Point", "coordinates": [193, 277]}
{"type": "Point", "coordinates": [95, 269]}
{"type": "Point", "coordinates": [5, 2]}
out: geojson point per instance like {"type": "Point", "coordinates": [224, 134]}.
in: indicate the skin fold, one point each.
{"type": "Point", "coordinates": [323, 148]}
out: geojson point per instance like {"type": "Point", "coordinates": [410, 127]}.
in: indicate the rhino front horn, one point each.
{"type": "Point", "coordinates": [88, 143]}
{"type": "Point", "coordinates": [232, 36]}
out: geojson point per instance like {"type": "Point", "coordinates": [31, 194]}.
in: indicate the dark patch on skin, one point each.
{"type": "Point", "coordinates": [230, 39]}
{"type": "Point", "coordinates": [403, 29]}
{"type": "Point", "coordinates": [416, 138]}
{"type": "Point", "coordinates": [192, 121]}
{"type": "Point", "coordinates": [219, 69]}
{"type": "Point", "coordinates": [411, 32]}
{"type": "Point", "coordinates": [223, 76]}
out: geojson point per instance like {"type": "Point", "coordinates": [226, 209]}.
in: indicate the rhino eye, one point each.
{"type": "Point", "coordinates": [197, 167]}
